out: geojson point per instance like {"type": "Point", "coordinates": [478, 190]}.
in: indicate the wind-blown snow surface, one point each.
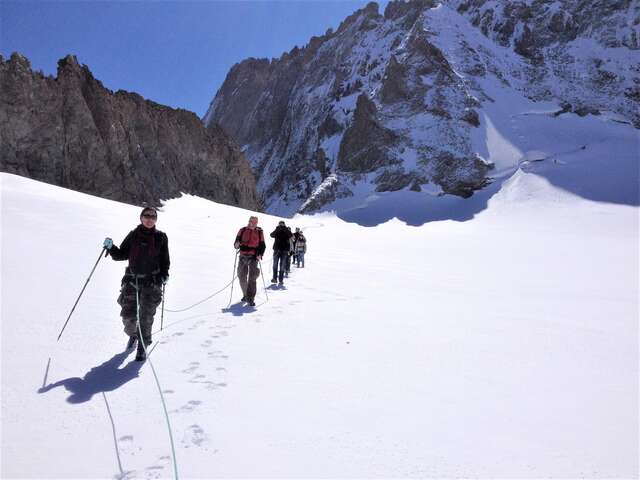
{"type": "Point", "coordinates": [503, 346]}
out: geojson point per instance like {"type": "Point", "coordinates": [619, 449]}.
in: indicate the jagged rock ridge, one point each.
{"type": "Point", "coordinates": [390, 102]}
{"type": "Point", "coordinates": [73, 132]}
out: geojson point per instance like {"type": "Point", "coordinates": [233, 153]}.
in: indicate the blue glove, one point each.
{"type": "Point", "coordinates": [108, 243]}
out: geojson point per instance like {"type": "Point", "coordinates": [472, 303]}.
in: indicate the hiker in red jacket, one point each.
{"type": "Point", "coordinates": [250, 241]}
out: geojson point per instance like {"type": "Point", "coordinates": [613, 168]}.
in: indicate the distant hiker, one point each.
{"type": "Point", "coordinates": [289, 254]}
{"type": "Point", "coordinates": [280, 252]}
{"type": "Point", "coordinates": [147, 250]}
{"type": "Point", "coordinates": [295, 239]}
{"type": "Point", "coordinates": [301, 249]}
{"type": "Point", "coordinates": [250, 241]}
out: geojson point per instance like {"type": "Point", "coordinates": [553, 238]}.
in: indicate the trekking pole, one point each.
{"type": "Point", "coordinates": [82, 291]}
{"type": "Point", "coordinates": [263, 282]}
{"type": "Point", "coordinates": [162, 311]}
{"type": "Point", "coordinates": [233, 277]}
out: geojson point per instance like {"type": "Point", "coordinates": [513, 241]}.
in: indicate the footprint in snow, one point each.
{"type": "Point", "coordinates": [193, 366]}
{"type": "Point", "coordinates": [190, 406]}
{"type": "Point", "coordinates": [217, 355]}
{"type": "Point", "coordinates": [194, 435]}
{"type": "Point", "coordinates": [209, 385]}
{"type": "Point", "coordinates": [126, 445]}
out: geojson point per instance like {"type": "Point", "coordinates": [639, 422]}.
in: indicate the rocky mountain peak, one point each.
{"type": "Point", "coordinates": [68, 62]}
{"type": "Point", "coordinates": [360, 17]}
{"type": "Point", "coordinates": [73, 132]}
{"type": "Point", "coordinates": [410, 10]}
{"type": "Point", "coordinates": [396, 101]}
{"type": "Point", "coordinates": [17, 63]}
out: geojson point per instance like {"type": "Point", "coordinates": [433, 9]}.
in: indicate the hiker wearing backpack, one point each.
{"type": "Point", "coordinates": [295, 239]}
{"type": "Point", "coordinates": [301, 249]}
{"type": "Point", "coordinates": [250, 243]}
{"type": "Point", "coordinates": [289, 254]}
{"type": "Point", "coordinates": [280, 252]}
{"type": "Point", "coordinates": [147, 250]}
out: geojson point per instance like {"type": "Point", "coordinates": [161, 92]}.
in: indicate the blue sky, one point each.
{"type": "Point", "coordinates": [174, 53]}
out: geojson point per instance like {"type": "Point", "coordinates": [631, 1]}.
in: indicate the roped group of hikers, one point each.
{"type": "Point", "coordinates": [147, 250]}
{"type": "Point", "coordinates": [251, 246]}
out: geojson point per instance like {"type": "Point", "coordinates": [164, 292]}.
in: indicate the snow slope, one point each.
{"type": "Point", "coordinates": [503, 346]}
{"type": "Point", "coordinates": [594, 156]}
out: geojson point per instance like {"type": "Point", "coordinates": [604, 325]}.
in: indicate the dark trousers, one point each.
{"type": "Point", "coordinates": [150, 296]}
{"type": "Point", "coordinates": [279, 264]}
{"type": "Point", "coordinates": [248, 273]}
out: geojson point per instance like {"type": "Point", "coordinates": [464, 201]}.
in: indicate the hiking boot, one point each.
{"type": "Point", "coordinates": [273, 280]}
{"type": "Point", "coordinates": [131, 343]}
{"type": "Point", "coordinates": [243, 299]}
{"type": "Point", "coordinates": [280, 283]}
{"type": "Point", "coordinates": [141, 354]}
{"type": "Point", "coordinates": [252, 303]}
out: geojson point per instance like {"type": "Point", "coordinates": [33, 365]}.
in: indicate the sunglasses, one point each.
{"type": "Point", "coordinates": [146, 215]}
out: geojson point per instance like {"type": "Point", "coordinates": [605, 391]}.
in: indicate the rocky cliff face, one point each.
{"type": "Point", "coordinates": [581, 52]}
{"type": "Point", "coordinates": [72, 132]}
{"type": "Point", "coordinates": [395, 101]}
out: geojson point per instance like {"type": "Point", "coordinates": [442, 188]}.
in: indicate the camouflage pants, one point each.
{"type": "Point", "coordinates": [150, 298]}
{"type": "Point", "coordinates": [248, 273]}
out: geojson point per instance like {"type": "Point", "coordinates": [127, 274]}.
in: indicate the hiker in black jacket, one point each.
{"type": "Point", "coordinates": [147, 250]}
{"type": "Point", "coordinates": [280, 251]}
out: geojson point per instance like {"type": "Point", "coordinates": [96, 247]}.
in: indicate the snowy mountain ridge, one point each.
{"type": "Point", "coordinates": [409, 101]}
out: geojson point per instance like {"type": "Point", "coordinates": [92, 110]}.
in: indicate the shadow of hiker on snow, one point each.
{"type": "Point", "coordinates": [239, 309]}
{"type": "Point", "coordinates": [103, 378]}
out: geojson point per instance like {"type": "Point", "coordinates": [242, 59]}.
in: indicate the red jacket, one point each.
{"type": "Point", "coordinates": [251, 241]}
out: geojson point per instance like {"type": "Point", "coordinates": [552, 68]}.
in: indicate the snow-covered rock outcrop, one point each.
{"type": "Point", "coordinates": [396, 101]}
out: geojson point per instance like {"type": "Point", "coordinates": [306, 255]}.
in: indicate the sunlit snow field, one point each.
{"type": "Point", "coordinates": [502, 346]}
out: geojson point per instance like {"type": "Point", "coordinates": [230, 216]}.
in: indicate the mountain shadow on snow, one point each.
{"type": "Point", "coordinates": [598, 172]}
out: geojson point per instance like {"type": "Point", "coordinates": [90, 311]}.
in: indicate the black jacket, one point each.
{"type": "Point", "coordinates": [282, 236]}
{"type": "Point", "coordinates": [147, 250]}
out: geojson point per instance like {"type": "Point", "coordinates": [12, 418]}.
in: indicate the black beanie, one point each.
{"type": "Point", "coordinates": [148, 209]}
